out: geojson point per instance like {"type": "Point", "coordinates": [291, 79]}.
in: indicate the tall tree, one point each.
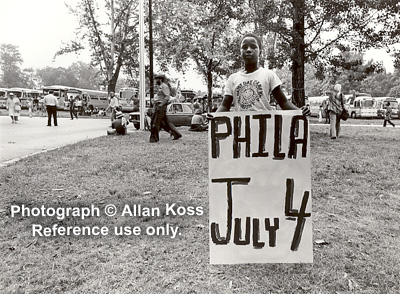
{"type": "Point", "coordinates": [79, 75]}
{"type": "Point", "coordinates": [10, 64]}
{"type": "Point", "coordinates": [110, 31]}
{"type": "Point", "coordinates": [201, 31]}
{"type": "Point", "coordinates": [311, 30]}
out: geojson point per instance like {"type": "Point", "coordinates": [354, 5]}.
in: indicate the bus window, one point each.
{"type": "Point", "coordinates": [368, 103]}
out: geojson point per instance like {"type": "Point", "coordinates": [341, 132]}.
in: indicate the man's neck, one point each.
{"type": "Point", "coordinates": [252, 67]}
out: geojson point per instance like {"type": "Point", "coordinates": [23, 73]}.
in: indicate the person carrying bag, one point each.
{"type": "Point", "coordinates": [345, 113]}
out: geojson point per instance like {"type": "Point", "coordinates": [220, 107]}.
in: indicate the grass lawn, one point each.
{"type": "Point", "coordinates": [356, 208]}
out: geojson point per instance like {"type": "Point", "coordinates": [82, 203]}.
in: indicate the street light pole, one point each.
{"type": "Point", "coordinates": [142, 90]}
{"type": "Point", "coordinates": [151, 50]}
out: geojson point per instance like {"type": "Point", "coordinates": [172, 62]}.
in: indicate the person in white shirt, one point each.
{"type": "Point", "coordinates": [250, 88]}
{"type": "Point", "coordinates": [114, 105]}
{"type": "Point", "coordinates": [51, 106]}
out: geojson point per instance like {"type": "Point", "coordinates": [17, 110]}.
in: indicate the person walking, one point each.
{"type": "Point", "coordinates": [335, 108]}
{"type": "Point", "coordinates": [113, 105]}
{"type": "Point", "coordinates": [13, 105]}
{"type": "Point", "coordinates": [50, 101]}
{"type": "Point", "coordinates": [29, 104]}
{"type": "Point", "coordinates": [388, 115]}
{"type": "Point", "coordinates": [72, 110]}
{"type": "Point", "coordinates": [159, 118]}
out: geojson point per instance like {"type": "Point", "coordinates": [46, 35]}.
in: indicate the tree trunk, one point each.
{"type": "Point", "coordinates": [112, 83]}
{"type": "Point", "coordinates": [298, 56]}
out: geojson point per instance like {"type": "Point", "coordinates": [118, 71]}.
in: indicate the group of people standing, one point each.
{"type": "Point", "coordinates": [14, 106]}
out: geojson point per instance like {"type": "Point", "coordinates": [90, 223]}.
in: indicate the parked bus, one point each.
{"type": "Point", "coordinates": [128, 99]}
{"type": "Point", "coordinates": [381, 103]}
{"type": "Point", "coordinates": [85, 98]}
{"type": "Point", "coordinates": [315, 102]}
{"type": "Point", "coordinates": [60, 92]}
{"type": "Point", "coordinates": [363, 107]}
{"type": "Point", "coordinates": [3, 97]}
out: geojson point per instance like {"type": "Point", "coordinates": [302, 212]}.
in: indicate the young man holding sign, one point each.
{"type": "Point", "coordinates": [250, 88]}
{"type": "Point", "coordinates": [259, 170]}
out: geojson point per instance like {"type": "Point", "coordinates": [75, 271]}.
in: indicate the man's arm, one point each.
{"type": "Point", "coordinates": [285, 104]}
{"type": "Point", "coordinates": [226, 103]}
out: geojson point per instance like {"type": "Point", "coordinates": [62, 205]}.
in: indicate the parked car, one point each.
{"type": "Point", "coordinates": [179, 114]}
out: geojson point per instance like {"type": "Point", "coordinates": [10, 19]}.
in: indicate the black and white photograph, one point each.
{"type": "Point", "coordinates": [187, 146]}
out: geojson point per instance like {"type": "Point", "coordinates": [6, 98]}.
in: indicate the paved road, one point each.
{"type": "Point", "coordinates": [31, 135]}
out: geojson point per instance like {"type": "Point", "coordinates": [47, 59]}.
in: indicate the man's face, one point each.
{"type": "Point", "coordinates": [249, 50]}
{"type": "Point", "coordinates": [112, 94]}
{"type": "Point", "coordinates": [158, 81]}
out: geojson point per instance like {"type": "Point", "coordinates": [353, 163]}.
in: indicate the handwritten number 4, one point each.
{"type": "Point", "coordinates": [292, 214]}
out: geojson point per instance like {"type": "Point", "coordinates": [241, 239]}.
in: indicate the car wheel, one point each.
{"type": "Point", "coordinates": [137, 126]}
{"type": "Point", "coordinates": [353, 115]}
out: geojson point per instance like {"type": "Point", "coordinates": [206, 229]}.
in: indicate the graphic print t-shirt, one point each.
{"type": "Point", "coordinates": [252, 91]}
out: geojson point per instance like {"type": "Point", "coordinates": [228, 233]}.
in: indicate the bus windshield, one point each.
{"type": "Point", "coordinates": [368, 103]}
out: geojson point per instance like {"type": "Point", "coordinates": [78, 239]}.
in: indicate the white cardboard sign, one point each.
{"type": "Point", "coordinates": [260, 188]}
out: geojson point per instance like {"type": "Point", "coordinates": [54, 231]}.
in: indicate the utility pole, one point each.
{"type": "Point", "coordinates": [142, 90]}
{"type": "Point", "coordinates": [151, 51]}
{"type": "Point", "coordinates": [111, 65]}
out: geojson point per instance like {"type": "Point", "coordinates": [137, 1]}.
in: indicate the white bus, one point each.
{"type": "Point", "coordinates": [60, 92]}
{"type": "Point", "coordinates": [381, 106]}
{"type": "Point", "coordinates": [84, 98]}
{"type": "Point", "coordinates": [363, 107]}
{"type": "Point", "coordinates": [3, 97]}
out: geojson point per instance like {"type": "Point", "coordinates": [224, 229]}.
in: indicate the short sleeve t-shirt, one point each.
{"type": "Point", "coordinates": [251, 91]}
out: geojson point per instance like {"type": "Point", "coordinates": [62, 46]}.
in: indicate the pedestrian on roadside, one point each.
{"type": "Point", "coordinates": [113, 105]}
{"type": "Point", "coordinates": [29, 103]}
{"type": "Point", "coordinates": [51, 103]}
{"type": "Point", "coordinates": [335, 107]}
{"type": "Point", "coordinates": [250, 88]}
{"type": "Point", "coordinates": [159, 118]}
{"type": "Point", "coordinates": [36, 103]}
{"type": "Point", "coordinates": [325, 110]}
{"type": "Point", "coordinates": [13, 105]}
{"type": "Point", "coordinates": [388, 115]}
{"type": "Point", "coordinates": [320, 114]}
{"type": "Point", "coordinates": [72, 110]}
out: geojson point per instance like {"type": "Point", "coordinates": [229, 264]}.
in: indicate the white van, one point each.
{"type": "Point", "coordinates": [363, 107]}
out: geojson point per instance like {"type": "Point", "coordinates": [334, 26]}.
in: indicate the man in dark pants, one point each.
{"type": "Point", "coordinates": [51, 106]}
{"type": "Point", "coordinates": [72, 110]}
{"type": "Point", "coordinates": [160, 118]}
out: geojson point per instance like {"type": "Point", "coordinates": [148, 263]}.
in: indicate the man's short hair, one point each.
{"type": "Point", "coordinates": [252, 35]}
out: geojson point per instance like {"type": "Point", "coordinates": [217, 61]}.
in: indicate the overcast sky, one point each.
{"type": "Point", "coordinates": [40, 28]}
